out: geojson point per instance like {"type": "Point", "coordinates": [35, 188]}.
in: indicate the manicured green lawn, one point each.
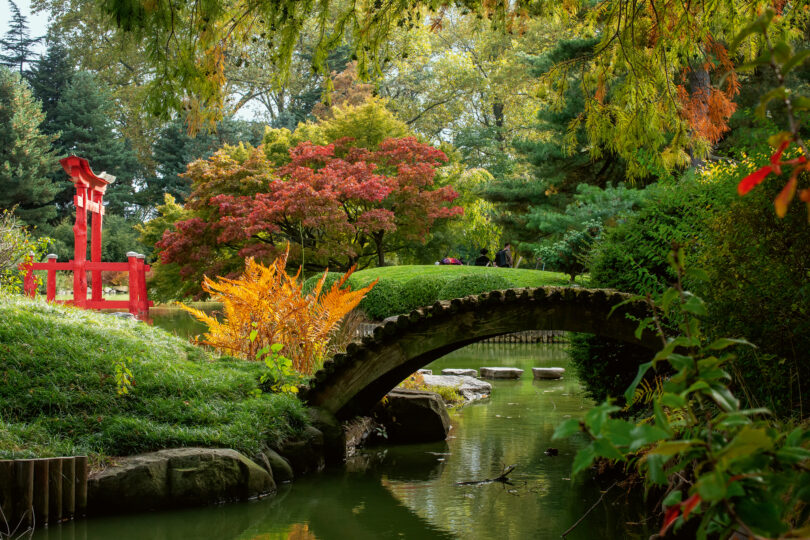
{"type": "Point", "coordinates": [58, 389]}
{"type": "Point", "coordinates": [520, 277]}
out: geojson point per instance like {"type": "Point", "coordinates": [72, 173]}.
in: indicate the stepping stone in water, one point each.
{"type": "Point", "coordinates": [467, 372]}
{"type": "Point", "coordinates": [501, 372]}
{"type": "Point", "coordinates": [425, 371]}
{"type": "Point", "coordinates": [548, 372]}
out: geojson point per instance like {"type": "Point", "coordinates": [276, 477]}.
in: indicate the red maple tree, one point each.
{"type": "Point", "coordinates": [333, 204]}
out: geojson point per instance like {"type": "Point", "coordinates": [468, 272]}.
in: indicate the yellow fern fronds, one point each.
{"type": "Point", "coordinates": [267, 300]}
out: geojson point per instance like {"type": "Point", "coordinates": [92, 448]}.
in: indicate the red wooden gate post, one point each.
{"type": "Point", "coordinates": [51, 283]}
{"type": "Point", "coordinates": [143, 302]}
{"type": "Point", "coordinates": [132, 259]}
{"type": "Point", "coordinates": [95, 242]}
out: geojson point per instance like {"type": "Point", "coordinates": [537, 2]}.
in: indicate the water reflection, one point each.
{"type": "Point", "coordinates": [411, 491]}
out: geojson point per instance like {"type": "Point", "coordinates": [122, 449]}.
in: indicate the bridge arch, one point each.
{"type": "Point", "coordinates": [351, 383]}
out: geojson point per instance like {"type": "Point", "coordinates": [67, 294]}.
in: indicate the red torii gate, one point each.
{"type": "Point", "coordinates": [89, 197]}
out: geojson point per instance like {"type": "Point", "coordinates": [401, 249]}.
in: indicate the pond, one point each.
{"type": "Point", "coordinates": [411, 491]}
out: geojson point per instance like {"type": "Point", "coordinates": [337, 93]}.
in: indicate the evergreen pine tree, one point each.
{"type": "Point", "coordinates": [175, 149]}
{"type": "Point", "coordinates": [16, 45]}
{"type": "Point", "coordinates": [84, 119]}
{"type": "Point", "coordinates": [49, 77]}
{"type": "Point", "coordinates": [26, 157]}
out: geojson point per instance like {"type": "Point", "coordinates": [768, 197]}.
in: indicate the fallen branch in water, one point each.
{"type": "Point", "coordinates": [574, 526]}
{"type": "Point", "coordinates": [503, 478]}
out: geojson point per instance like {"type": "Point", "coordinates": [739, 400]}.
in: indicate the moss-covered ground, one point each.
{"type": "Point", "coordinates": [59, 394]}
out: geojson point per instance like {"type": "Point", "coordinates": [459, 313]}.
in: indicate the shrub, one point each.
{"type": "Point", "coordinates": [473, 284]}
{"type": "Point", "coordinates": [759, 287]}
{"type": "Point", "coordinates": [331, 279]}
{"type": "Point", "coordinates": [422, 291]}
{"type": "Point", "coordinates": [384, 300]}
{"type": "Point", "coordinates": [265, 306]}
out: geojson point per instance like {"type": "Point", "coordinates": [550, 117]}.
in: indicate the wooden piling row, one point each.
{"type": "Point", "coordinates": [36, 492]}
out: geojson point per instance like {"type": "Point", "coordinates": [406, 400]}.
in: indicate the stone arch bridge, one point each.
{"type": "Point", "coordinates": [351, 383]}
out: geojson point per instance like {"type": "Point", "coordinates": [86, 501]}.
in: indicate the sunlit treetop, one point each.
{"type": "Point", "coordinates": [642, 80]}
{"type": "Point", "coordinates": [188, 42]}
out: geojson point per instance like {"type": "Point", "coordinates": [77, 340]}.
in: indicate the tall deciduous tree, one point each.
{"type": "Point", "coordinates": [17, 43]}
{"type": "Point", "coordinates": [26, 157]}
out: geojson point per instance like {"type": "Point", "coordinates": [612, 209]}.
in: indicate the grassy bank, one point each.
{"type": "Point", "coordinates": [59, 393]}
{"type": "Point", "coordinates": [517, 276]}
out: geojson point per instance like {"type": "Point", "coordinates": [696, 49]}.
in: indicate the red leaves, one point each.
{"type": "Point", "coordinates": [753, 179]}
{"type": "Point", "coordinates": [674, 511]}
{"type": "Point", "coordinates": [336, 201]}
{"type": "Point", "coordinates": [782, 201]}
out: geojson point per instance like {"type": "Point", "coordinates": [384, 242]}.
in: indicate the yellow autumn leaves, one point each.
{"type": "Point", "coordinates": [270, 302]}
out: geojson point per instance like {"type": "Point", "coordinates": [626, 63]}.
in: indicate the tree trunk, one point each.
{"type": "Point", "coordinates": [700, 87]}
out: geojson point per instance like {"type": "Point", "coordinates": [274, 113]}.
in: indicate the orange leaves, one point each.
{"type": "Point", "coordinates": [269, 301]}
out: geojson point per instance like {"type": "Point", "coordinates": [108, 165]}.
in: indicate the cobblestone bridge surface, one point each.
{"type": "Point", "coordinates": [352, 382]}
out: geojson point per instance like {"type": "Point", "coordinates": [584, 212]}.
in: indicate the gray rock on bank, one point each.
{"type": "Point", "coordinates": [469, 387]}
{"type": "Point", "coordinates": [177, 478]}
{"type": "Point", "coordinates": [501, 372]}
{"type": "Point", "coordinates": [464, 372]}
{"type": "Point", "coordinates": [413, 416]}
{"type": "Point", "coordinates": [548, 372]}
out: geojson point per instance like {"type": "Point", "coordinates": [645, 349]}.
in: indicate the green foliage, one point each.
{"type": "Point", "coordinates": [422, 291]}
{"type": "Point", "coordinates": [17, 245]}
{"type": "Point", "coordinates": [367, 124]}
{"type": "Point", "coordinates": [61, 392]}
{"type": "Point", "coordinates": [124, 379]}
{"type": "Point", "coordinates": [174, 149]}
{"type": "Point", "coordinates": [17, 46]}
{"type": "Point", "coordinates": [474, 284]}
{"type": "Point", "coordinates": [605, 367]}
{"type": "Point", "coordinates": [329, 281]}
{"type": "Point", "coordinates": [759, 287]}
{"type": "Point", "coordinates": [384, 300]}
{"type": "Point", "coordinates": [25, 153]}
{"type": "Point", "coordinates": [570, 254]}
{"type": "Point", "coordinates": [280, 377]}
{"type": "Point", "coordinates": [745, 471]}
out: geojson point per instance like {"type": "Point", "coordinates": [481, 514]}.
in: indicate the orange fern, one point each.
{"type": "Point", "coordinates": [269, 302]}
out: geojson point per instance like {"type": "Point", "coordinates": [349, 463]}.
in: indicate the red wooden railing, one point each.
{"type": "Point", "coordinates": [138, 303]}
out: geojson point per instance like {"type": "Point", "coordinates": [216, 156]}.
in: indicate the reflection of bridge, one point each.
{"type": "Point", "coordinates": [353, 382]}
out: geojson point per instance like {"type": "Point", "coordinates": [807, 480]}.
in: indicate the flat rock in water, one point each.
{"type": "Point", "coordinates": [469, 387]}
{"type": "Point", "coordinates": [501, 372]}
{"type": "Point", "coordinates": [465, 372]}
{"type": "Point", "coordinates": [425, 371]}
{"type": "Point", "coordinates": [548, 372]}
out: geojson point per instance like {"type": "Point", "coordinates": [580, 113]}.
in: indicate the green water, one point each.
{"type": "Point", "coordinates": [411, 491]}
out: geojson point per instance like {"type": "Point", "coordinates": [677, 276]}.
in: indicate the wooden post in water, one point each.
{"type": "Point", "coordinates": [55, 490]}
{"type": "Point", "coordinates": [41, 508]}
{"type": "Point", "coordinates": [68, 487]}
{"type": "Point", "coordinates": [6, 495]}
{"type": "Point", "coordinates": [22, 517]}
{"type": "Point", "coordinates": [81, 486]}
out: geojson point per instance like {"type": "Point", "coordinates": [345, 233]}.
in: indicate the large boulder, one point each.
{"type": "Point", "coordinates": [334, 438]}
{"type": "Point", "coordinates": [277, 466]}
{"type": "Point", "coordinates": [413, 416]}
{"type": "Point", "coordinates": [176, 478]}
{"type": "Point", "coordinates": [469, 387]}
{"type": "Point", "coordinates": [306, 452]}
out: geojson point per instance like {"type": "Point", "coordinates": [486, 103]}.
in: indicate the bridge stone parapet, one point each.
{"type": "Point", "coordinates": [351, 383]}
